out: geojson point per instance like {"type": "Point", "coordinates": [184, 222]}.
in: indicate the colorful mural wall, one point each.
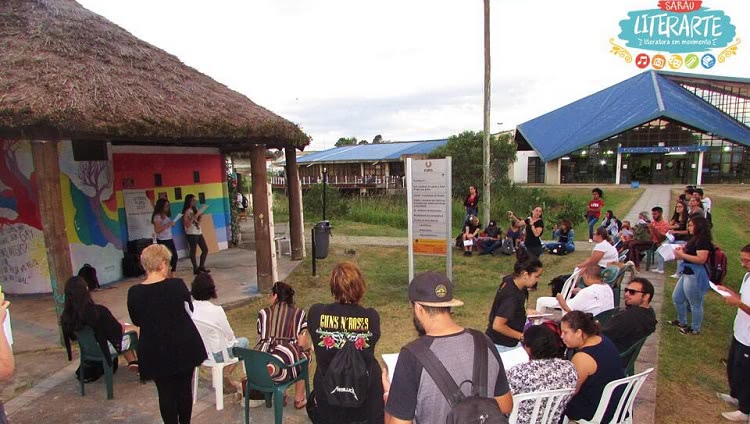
{"type": "Point", "coordinates": [23, 258]}
{"type": "Point", "coordinates": [179, 172]}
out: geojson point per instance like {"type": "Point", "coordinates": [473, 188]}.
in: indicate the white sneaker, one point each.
{"type": "Point", "coordinates": [675, 275]}
{"type": "Point", "coordinates": [659, 271]}
{"type": "Point", "coordinates": [591, 240]}
{"type": "Point", "coordinates": [630, 263]}
{"type": "Point", "coordinates": [738, 416]}
{"type": "Point", "coordinates": [256, 403]}
{"type": "Point", "coordinates": [727, 398]}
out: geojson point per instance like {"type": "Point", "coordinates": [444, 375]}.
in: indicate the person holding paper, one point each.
{"type": "Point", "coordinates": [471, 234]}
{"type": "Point", "coordinates": [7, 362]}
{"type": "Point", "coordinates": [677, 234]}
{"type": "Point", "coordinates": [508, 312]}
{"type": "Point", "coordinates": [161, 218]}
{"type": "Point", "coordinates": [191, 220]}
{"type": "Point", "coordinates": [534, 229]}
{"type": "Point", "coordinates": [738, 362]}
{"type": "Point", "coordinates": [693, 284]}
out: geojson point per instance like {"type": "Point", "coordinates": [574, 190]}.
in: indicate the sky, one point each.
{"type": "Point", "coordinates": [404, 69]}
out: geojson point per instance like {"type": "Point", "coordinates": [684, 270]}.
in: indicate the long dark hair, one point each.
{"type": "Point", "coordinates": [584, 321]}
{"type": "Point", "coordinates": [284, 292]}
{"type": "Point", "coordinates": [543, 342]}
{"type": "Point", "coordinates": [526, 262]}
{"type": "Point", "coordinates": [77, 301]}
{"type": "Point", "coordinates": [159, 209]}
{"type": "Point", "coordinates": [701, 231]}
{"type": "Point", "coordinates": [680, 218]}
{"type": "Point", "coordinates": [185, 206]}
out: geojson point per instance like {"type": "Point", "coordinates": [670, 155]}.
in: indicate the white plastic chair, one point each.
{"type": "Point", "coordinates": [214, 341]}
{"type": "Point", "coordinates": [547, 405]}
{"type": "Point", "coordinates": [624, 412]}
{"type": "Point", "coordinates": [549, 302]}
{"type": "Point", "coordinates": [282, 238]}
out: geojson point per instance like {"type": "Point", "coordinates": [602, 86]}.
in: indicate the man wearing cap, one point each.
{"type": "Point", "coordinates": [413, 396]}
{"type": "Point", "coordinates": [637, 320]}
{"type": "Point", "coordinates": [490, 240]}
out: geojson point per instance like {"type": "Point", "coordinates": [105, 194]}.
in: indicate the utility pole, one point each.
{"type": "Point", "coordinates": [486, 174]}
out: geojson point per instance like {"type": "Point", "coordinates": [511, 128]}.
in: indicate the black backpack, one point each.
{"type": "Point", "coordinates": [479, 408]}
{"type": "Point", "coordinates": [347, 379]}
{"type": "Point", "coordinates": [88, 273]}
{"type": "Point", "coordinates": [507, 247]}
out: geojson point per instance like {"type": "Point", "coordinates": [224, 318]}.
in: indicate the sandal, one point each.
{"type": "Point", "coordinates": [300, 404]}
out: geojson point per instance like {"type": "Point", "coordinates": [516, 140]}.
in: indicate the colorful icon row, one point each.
{"type": "Point", "coordinates": [675, 61]}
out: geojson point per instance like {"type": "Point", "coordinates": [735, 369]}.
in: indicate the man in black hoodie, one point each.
{"type": "Point", "coordinates": [637, 320]}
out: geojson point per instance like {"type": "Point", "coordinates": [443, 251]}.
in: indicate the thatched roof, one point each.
{"type": "Point", "coordinates": [68, 72]}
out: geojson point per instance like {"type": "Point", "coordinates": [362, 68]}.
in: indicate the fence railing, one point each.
{"type": "Point", "coordinates": [374, 181]}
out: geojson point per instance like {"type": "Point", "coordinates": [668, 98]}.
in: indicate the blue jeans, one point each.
{"type": "Point", "coordinates": [592, 220]}
{"type": "Point", "coordinates": [687, 291]}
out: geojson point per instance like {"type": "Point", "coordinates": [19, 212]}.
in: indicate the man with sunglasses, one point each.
{"type": "Point", "coordinates": [637, 320]}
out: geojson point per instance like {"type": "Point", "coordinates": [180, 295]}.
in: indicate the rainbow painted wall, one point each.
{"type": "Point", "coordinates": [93, 207]}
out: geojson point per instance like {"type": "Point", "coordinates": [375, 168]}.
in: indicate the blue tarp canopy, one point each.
{"type": "Point", "coordinates": [373, 152]}
{"type": "Point", "coordinates": [621, 107]}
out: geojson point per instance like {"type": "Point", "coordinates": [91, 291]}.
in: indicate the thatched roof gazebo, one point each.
{"type": "Point", "coordinates": [70, 74]}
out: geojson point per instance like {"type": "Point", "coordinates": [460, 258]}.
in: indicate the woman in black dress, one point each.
{"type": "Point", "coordinates": [170, 346]}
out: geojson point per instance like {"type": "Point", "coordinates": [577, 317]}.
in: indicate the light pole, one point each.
{"type": "Point", "coordinates": [486, 140]}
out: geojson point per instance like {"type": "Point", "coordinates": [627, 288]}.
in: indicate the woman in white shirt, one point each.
{"type": "Point", "coordinates": [161, 218]}
{"type": "Point", "coordinates": [203, 289]}
{"type": "Point", "coordinates": [604, 252]}
{"type": "Point", "coordinates": [191, 220]}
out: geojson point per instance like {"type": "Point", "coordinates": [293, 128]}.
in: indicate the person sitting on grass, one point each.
{"type": "Point", "coordinates": [637, 320]}
{"type": "Point", "coordinates": [595, 298]}
{"type": "Point", "coordinates": [203, 290]}
{"type": "Point", "coordinates": [470, 234]}
{"type": "Point", "coordinates": [596, 360]}
{"type": "Point", "coordinates": [515, 232]}
{"type": "Point", "coordinates": [111, 335]}
{"type": "Point", "coordinates": [565, 236]}
{"type": "Point", "coordinates": [491, 239]}
{"type": "Point", "coordinates": [546, 370]}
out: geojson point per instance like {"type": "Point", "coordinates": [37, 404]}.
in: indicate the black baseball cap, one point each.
{"type": "Point", "coordinates": [432, 289]}
{"type": "Point", "coordinates": [492, 223]}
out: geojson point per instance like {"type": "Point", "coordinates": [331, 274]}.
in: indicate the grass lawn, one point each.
{"type": "Point", "coordinates": [690, 368]}
{"type": "Point", "coordinates": [476, 278]}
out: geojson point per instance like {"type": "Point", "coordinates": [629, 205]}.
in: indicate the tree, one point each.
{"type": "Point", "coordinates": [363, 141]}
{"type": "Point", "coordinates": [346, 141]}
{"type": "Point", "coordinates": [378, 139]}
{"type": "Point", "coordinates": [466, 152]}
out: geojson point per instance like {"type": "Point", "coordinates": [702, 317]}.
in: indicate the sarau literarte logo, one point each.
{"type": "Point", "coordinates": [679, 34]}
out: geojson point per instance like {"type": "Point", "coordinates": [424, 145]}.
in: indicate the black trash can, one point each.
{"type": "Point", "coordinates": [322, 237]}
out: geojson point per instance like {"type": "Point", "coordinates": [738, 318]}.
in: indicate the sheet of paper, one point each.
{"type": "Point", "coordinates": [666, 251]}
{"type": "Point", "coordinates": [534, 316]}
{"type": "Point", "coordinates": [716, 288]}
{"type": "Point", "coordinates": [390, 360]}
{"type": "Point", "coordinates": [468, 243]}
{"type": "Point", "coordinates": [514, 357]}
{"type": "Point", "coordinates": [8, 330]}
{"type": "Point", "coordinates": [177, 218]}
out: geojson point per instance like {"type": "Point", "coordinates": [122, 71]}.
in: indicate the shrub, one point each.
{"type": "Point", "coordinates": [336, 206]}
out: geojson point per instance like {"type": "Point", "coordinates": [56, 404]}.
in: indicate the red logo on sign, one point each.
{"type": "Point", "coordinates": [680, 6]}
{"type": "Point", "coordinates": [642, 61]}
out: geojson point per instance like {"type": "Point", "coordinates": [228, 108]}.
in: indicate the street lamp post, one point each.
{"type": "Point", "coordinates": [486, 141]}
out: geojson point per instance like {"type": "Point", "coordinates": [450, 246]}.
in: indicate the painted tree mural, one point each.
{"type": "Point", "coordinates": [91, 222]}
{"type": "Point", "coordinates": [20, 194]}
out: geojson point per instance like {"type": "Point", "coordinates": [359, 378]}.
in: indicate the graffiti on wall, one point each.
{"type": "Point", "coordinates": [23, 259]}
{"type": "Point", "coordinates": [91, 219]}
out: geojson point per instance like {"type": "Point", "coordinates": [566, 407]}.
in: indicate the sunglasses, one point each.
{"type": "Point", "coordinates": [632, 292]}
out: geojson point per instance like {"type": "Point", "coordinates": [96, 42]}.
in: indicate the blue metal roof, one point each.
{"type": "Point", "coordinates": [621, 107]}
{"type": "Point", "coordinates": [373, 152]}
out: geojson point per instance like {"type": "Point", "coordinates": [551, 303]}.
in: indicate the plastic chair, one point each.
{"type": "Point", "coordinates": [259, 379]}
{"type": "Point", "coordinates": [604, 316]}
{"type": "Point", "coordinates": [623, 255]}
{"type": "Point", "coordinates": [547, 405]}
{"type": "Point", "coordinates": [631, 355]}
{"type": "Point", "coordinates": [624, 411]}
{"type": "Point", "coordinates": [616, 283]}
{"type": "Point", "coordinates": [214, 341]}
{"type": "Point", "coordinates": [92, 352]}
{"type": "Point", "coordinates": [546, 302]}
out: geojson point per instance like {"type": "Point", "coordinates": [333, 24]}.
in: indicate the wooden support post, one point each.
{"type": "Point", "coordinates": [47, 174]}
{"type": "Point", "coordinates": [296, 226]}
{"type": "Point", "coordinates": [263, 236]}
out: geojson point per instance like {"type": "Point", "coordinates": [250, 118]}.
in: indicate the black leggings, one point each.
{"type": "Point", "coordinates": [175, 397]}
{"type": "Point", "coordinates": [194, 241]}
{"type": "Point", "coordinates": [170, 245]}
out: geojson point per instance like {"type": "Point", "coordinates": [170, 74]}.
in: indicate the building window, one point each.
{"type": "Point", "coordinates": [157, 180]}
{"type": "Point", "coordinates": [196, 176]}
{"type": "Point", "coordinates": [89, 150]}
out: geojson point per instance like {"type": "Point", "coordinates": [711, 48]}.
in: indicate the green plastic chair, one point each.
{"type": "Point", "coordinates": [91, 352]}
{"type": "Point", "coordinates": [258, 378]}
{"type": "Point", "coordinates": [631, 355]}
{"type": "Point", "coordinates": [604, 316]}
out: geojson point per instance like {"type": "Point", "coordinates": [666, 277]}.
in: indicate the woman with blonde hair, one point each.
{"type": "Point", "coordinates": [170, 346]}
{"type": "Point", "coordinates": [331, 327]}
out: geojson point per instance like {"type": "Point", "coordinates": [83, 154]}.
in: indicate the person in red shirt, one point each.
{"type": "Point", "coordinates": [657, 228]}
{"type": "Point", "coordinates": [594, 210]}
